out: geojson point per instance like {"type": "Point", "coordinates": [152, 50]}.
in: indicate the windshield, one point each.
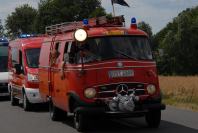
{"type": "Point", "coordinates": [3, 58]}
{"type": "Point", "coordinates": [123, 47]}
{"type": "Point", "coordinates": [33, 57]}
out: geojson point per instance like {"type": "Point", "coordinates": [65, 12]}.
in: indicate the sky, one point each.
{"type": "Point", "coordinates": [158, 13]}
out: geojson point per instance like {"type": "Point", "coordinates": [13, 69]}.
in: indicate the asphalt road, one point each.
{"type": "Point", "coordinates": [15, 120]}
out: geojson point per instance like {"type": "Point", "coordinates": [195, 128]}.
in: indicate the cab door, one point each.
{"type": "Point", "coordinates": [54, 61]}
{"type": "Point", "coordinates": [60, 80]}
{"type": "Point", "coordinates": [17, 78]}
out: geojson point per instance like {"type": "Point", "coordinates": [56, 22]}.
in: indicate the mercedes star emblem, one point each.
{"type": "Point", "coordinates": [120, 65]}
{"type": "Point", "coordinates": [122, 89]}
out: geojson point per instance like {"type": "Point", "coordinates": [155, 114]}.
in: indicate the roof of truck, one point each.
{"type": "Point", "coordinates": [32, 42]}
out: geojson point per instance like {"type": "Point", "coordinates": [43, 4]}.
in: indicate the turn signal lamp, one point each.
{"type": "Point", "coordinates": [133, 23]}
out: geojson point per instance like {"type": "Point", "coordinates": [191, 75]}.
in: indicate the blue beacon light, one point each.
{"type": "Point", "coordinates": [26, 35]}
{"type": "Point", "coordinates": [3, 42]}
{"type": "Point", "coordinates": [85, 22]}
{"type": "Point", "coordinates": [133, 23]}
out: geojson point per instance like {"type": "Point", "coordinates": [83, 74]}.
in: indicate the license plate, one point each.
{"type": "Point", "coordinates": [121, 73]}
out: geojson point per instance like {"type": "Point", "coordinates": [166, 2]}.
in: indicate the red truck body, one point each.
{"type": "Point", "coordinates": [114, 83]}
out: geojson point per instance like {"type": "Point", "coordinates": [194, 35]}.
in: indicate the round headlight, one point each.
{"type": "Point", "coordinates": [90, 93]}
{"type": "Point", "coordinates": [151, 89]}
{"type": "Point", "coordinates": [80, 35]}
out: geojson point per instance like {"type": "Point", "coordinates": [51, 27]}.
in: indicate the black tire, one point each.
{"type": "Point", "coordinates": [27, 106]}
{"type": "Point", "coordinates": [153, 118]}
{"type": "Point", "coordinates": [80, 122]}
{"type": "Point", "coordinates": [13, 100]}
{"type": "Point", "coordinates": [56, 114]}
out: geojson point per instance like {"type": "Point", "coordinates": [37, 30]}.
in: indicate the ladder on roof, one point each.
{"type": "Point", "coordinates": [103, 21]}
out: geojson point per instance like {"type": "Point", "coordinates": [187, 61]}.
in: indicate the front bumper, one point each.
{"type": "Point", "coordinates": [33, 95]}
{"type": "Point", "coordinates": [100, 107]}
{"type": "Point", "coordinates": [139, 111]}
{"type": "Point", "coordinates": [4, 89]}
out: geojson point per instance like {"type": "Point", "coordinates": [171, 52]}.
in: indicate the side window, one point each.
{"type": "Point", "coordinates": [45, 54]}
{"type": "Point", "coordinates": [15, 56]}
{"type": "Point", "coordinates": [70, 53]}
{"type": "Point", "coordinates": [57, 46]}
{"type": "Point", "coordinates": [66, 55]}
{"type": "Point", "coordinates": [55, 53]}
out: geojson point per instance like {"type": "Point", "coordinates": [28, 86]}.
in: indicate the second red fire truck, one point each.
{"type": "Point", "coordinates": [23, 59]}
{"type": "Point", "coordinates": [99, 67]}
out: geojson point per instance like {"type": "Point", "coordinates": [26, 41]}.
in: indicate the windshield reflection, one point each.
{"type": "Point", "coordinates": [123, 47]}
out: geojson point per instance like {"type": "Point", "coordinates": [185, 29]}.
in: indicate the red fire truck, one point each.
{"type": "Point", "coordinates": [23, 61]}
{"type": "Point", "coordinates": [99, 67]}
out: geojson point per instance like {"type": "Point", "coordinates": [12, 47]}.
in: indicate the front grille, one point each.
{"type": "Point", "coordinates": [3, 88]}
{"type": "Point", "coordinates": [108, 91]}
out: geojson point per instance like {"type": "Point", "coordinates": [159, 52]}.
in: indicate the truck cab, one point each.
{"type": "Point", "coordinates": [99, 67]}
{"type": "Point", "coordinates": [4, 67]}
{"type": "Point", "coordinates": [23, 61]}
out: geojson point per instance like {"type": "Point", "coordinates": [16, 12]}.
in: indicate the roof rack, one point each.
{"type": "Point", "coordinates": [103, 21]}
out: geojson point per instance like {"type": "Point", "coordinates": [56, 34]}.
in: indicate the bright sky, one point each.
{"type": "Point", "coordinates": [155, 12]}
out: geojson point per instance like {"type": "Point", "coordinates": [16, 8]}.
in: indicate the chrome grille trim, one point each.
{"type": "Point", "coordinates": [110, 90]}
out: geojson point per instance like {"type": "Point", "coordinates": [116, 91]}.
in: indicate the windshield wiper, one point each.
{"type": "Point", "coordinates": [120, 52]}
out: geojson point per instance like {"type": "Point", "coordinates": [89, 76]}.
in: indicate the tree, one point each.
{"type": "Point", "coordinates": [1, 29]}
{"type": "Point", "coordinates": [179, 41]}
{"type": "Point", "coordinates": [21, 20]}
{"type": "Point", "coordinates": [57, 11]}
{"type": "Point", "coordinates": [146, 28]}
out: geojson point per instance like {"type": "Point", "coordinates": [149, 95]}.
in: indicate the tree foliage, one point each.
{"type": "Point", "coordinates": [1, 29]}
{"type": "Point", "coordinates": [21, 20]}
{"type": "Point", "coordinates": [57, 11]}
{"type": "Point", "coordinates": [146, 28]}
{"type": "Point", "coordinates": [179, 42]}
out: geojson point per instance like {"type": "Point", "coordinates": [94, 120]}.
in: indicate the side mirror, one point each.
{"type": "Point", "coordinates": [18, 68]}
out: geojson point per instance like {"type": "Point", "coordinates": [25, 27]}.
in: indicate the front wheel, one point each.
{"type": "Point", "coordinates": [80, 122]}
{"type": "Point", "coordinates": [13, 100]}
{"type": "Point", "coordinates": [56, 114]}
{"type": "Point", "coordinates": [26, 104]}
{"type": "Point", "coordinates": [153, 118]}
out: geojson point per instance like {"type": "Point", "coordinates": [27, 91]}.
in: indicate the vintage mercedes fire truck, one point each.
{"type": "Point", "coordinates": [99, 67]}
